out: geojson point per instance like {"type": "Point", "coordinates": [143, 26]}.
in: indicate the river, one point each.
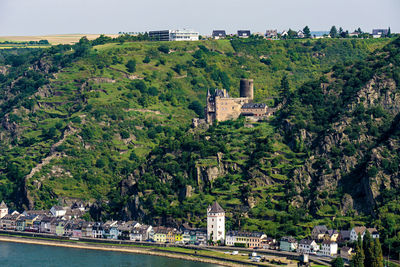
{"type": "Point", "coordinates": [18, 254]}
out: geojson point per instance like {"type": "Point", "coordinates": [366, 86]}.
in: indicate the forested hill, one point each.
{"type": "Point", "coordinates": [109, 123]}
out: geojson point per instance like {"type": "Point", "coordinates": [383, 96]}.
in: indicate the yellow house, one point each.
{"type": "Point", "coordinates": [160, 234]}
{"type": "Point", "coordinates": [170, 235]}
{"type": "Point", "coordinates": [30, 219]}
{"type": "Point", "coordinates": [178, 237]}
{"type": "Point", "coordinates": [331, 235]}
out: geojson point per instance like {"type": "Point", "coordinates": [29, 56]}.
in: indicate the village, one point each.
{"type": "Point", "coordinates": [67, 222]}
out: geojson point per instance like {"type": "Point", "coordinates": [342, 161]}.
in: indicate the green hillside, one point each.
{"type": "Point", "coordinates": [110, 123]}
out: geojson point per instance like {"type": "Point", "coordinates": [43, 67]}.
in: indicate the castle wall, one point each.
{"type": "Point", "coordinates": [228, 108]}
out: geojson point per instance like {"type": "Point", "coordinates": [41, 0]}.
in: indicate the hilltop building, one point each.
{"type": "Point", "coordinates": [271, 34]}
{"type": "Point", "coordinates": [244, 33]}
{"type": "Point", "coordinates": [378, 33]}
{"type": "Point", "coordinates": [3, 209]}
{"type": "Point", "coordinates": [174, 35]}
{"type": "Point", "coordinates": [216, 223]}
{"type": "Point", "coordinates": [217, 34]}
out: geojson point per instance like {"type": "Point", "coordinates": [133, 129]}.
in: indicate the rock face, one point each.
{"type": "Point", "coordinates": [352, 136]}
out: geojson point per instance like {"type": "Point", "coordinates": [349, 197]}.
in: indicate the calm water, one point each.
{"type": "Point", "coordinates": [15, 254]}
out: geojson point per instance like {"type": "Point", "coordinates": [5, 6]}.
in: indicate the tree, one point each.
{"type": "Point", "coordinates": [291, 34]}
{"type": "Point", "coordinates": [359, 30]}
{"type": "Point", "coordinates": [131, 65]}
{"type": "Point", "coordinates": [389, 33]}
{"type": "Point", "coordinates": [377, 251]}
{"type": "Point", "coordinates": [146, 59]}
{"type": "Point", "coordinates": [337, 262]}
{"type": "Point", "coordinates": [306, 31]}
{"type": "Point", "coordinates": [197, 107]}
{"type": "Point", "coordinates": [358, 259]}
{"type": "Point", "coordinates": [333, 32]}
{"type": "Point", "coordinates": [368, 247]}
{"type": "Point", "coordinates": [285, 87]}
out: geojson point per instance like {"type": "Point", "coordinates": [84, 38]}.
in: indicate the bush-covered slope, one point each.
{"type": "Point", "coordinates": [110, 124]}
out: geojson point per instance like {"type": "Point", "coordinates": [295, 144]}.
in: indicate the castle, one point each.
{"type": "Point", "coordinates": [221, 107]}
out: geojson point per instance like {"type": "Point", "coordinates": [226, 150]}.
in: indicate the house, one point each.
{"type": "Point", "coordinates": [346, 253]}
{"type": "Point", "coordinates": [269, 243]}
{"type": "Point", "coordinates": [45, 225]}
{"type": "Point", "coordinates": [87, 229]}
{"type": "Point", "coordinates": [300, 34]}
{"type": "Point", "coordinates": [37, 212]}
{"type": "Point", "coordinates": [77, 229]}
{"type": "Point", "coordinates": [146, 232]}
{"type": "Point", "coordinates": [328, 248]}
{"type": "Point", "coordinates": [58, 211]}
{"type": "Point", "coordinates": [249, 239]}
{"type": "Point", "coordinates": [3, 209]}
{"type": "Point", "coordinates": [60, 224]}
{"type": "Point", "coordinates": [217, 34]}
{"type": "Point", "coordinates": [215, 223]}
{"type": "Point", "coordinates": [97, 230]}
{"type": "Point", "coordinates": [243, 33]}
{"type": "Point", "coordinates": [186, 237]}
{"type": "Point", "coordinates": [374, 233]}
{"type": "Point", "coordinates": [318, 232]}
{"type": "Point", "coordinates": [124, 230]}
{"type": "Point", "coordinates": [344, 236]}
{"type": "Point", "coordinates": [354, 34]}
{"type": "Point", "coordinates": [160, 234]}
{"type": "Point", "coordinates": [201, 237]}
{"type": "Point", "coordinates": [68, 228]}
{"type": "Point", "coordinates": [9, 221]}
{"type": "Point", "coordinates": [307, 246]}
{"type": "Point", "coordinates": [178, 237]}
{"type": "Point", "coordinates": [331, 235]}
{"type": "Point", "coordinates": [111, 230]}
{"type": "Point", "coordinates": [288, 243]}
{"type": "Point", "coordinates": [378, 33]}
{"type": "Point", "coordinates": [29, 223]}
{"type": "Point", "coordinates": [271, 34]}
{"type": "Point", "coordinates": [284, 34]}
{"type": "Point", "coordinates": [135, 234]}
{"type": "Point", "coordinates": [361, 230]}
{"type": "Point", "coordinates": [20, 224]}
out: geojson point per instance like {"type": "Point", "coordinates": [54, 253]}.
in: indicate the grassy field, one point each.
{"type": "Point", "coordinates": [53, 39]}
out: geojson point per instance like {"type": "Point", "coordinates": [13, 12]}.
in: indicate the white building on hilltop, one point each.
{"type": "Point", "coordinates": [174, 35]}
{"type": "Point", "coordinates": [216, 223]}
{"type": "Point", "coordinates": [3, 209]}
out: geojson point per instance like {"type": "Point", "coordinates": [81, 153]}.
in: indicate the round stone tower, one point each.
{"type": "Point", "coordinates": [246, 88]}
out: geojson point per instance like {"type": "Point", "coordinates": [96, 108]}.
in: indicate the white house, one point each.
{"type": "Point", "coordinates": [216, 223]}
{"type": "Point", "coordinates": [300, 34]}
{"type": "Point", "coordinates": [307, 246]}
{"type": "Point", "coordinates": [3, 209]}
{"type": "Point", "coordinates": [288, 243]}
{"type": "Point", "coordinates": [58, 211]}
{"type": "Point", "coordinates": [361, 230]}
{"type": "Point", "coordinates": [328, 248]}
{"type": "Point", "coordinates": [174, 35]}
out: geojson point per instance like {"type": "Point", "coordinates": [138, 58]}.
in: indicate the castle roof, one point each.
{"type": "Point", "coordinates": [3, 205]}
{"type": "Point", "coordinates": [216, 208]}
{"type": "Point", "coordinates": [221, 93]}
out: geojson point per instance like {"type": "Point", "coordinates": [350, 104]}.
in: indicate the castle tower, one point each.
{"type": "Point", "coordinates": [247, 88]}
{"type": "Point", "coordinates": [216, 223]}
{"type": "Point", "coordinates": [3, 209]}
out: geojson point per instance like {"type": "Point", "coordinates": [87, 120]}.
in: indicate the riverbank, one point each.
{"type": "Point", "coordinates": [137, 250]}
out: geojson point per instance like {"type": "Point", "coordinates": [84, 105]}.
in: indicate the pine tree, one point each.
{"type": "Point", "coordinates": [368, 247]}
{"type": "Point", "coordinates": [306, 31]}
{"type": "Point", "coordinates": [337, 262]}
{"type": "Point", "coordinates": [333, 32]}
{"type": "Point", "coordinates": [378, 257]}
{"type": "Point", "coordinates": [358, 259]}
{"type": "Point", "coordinates": [389, 34]}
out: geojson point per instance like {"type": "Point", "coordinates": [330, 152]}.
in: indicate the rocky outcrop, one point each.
{"type": "Point", "coordinates": [326, 171]}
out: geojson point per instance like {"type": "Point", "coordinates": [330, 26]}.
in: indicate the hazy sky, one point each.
{"type": "Point", "coordinates": [39, 17]}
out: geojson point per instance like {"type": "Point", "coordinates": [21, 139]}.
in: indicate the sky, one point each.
{"type": "Point", "coordinates": [41, 17]}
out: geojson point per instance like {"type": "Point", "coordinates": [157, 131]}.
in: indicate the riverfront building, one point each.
{"type": "Point", "coordinates": [216, 223]}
